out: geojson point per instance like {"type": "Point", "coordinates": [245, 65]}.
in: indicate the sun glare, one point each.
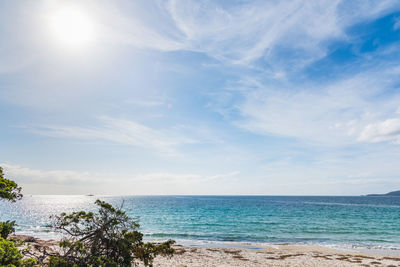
{"type": "Point", "coordinates": [72, 27]}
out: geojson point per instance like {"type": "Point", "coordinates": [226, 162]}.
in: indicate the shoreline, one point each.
{"type": "Point", "coordinates": [375, 249]}
{"type": "Point", "coordinates": [378, 249]}
{"type": "Point", "coordinates": [249, 254]}
{"type": "Point", "coordinates": [256, 245]}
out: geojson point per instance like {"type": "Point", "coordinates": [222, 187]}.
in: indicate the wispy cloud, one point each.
{"type": "Point", "coordinates": [123, 28]}
{"type": "Point", "coordinates": [121, 131]}
{"type": "Point", "coordinates": [246, 32]}
{"type": "Point", "coordinates": [108, 182]}
{"type": "Point", "coordinates": [388, 130]}
{"type": "Point", "coordinates": [182, 178]}
{"type": "Point", "coordinates": [122, 23]}
{"type": "Point", "coordinates": [334, 113]}
{"type": "Point", "coordinates": [315, 75]}
{"type": "Point", "coordinates": [233, 33]}
{"type": "Point", "coordinates": [35, 176]}
{"type": "Point", "coordinates": [28, 175]}
{"type": "Point", "coordinates": [285, 35]}
{"type": "Point", "coordinates": [239, 33]}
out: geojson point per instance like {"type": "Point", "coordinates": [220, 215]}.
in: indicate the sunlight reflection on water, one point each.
{"type": "Point", "coordinates": [327, 220]}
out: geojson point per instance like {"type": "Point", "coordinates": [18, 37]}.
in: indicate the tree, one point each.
{"type": "Point", "coordinates": [10, 256]}
{"type": "Point", "coordinates": [106, 238]}
{"type": "Point", "coordinates": [6, 228]}
{"type": "Point", "coordinates": [9, 190]}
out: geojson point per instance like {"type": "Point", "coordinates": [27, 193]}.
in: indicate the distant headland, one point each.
{"type": "Point", "coordinates": [390, 194]}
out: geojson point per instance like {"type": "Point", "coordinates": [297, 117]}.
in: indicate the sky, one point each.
{"type": "Point", "coordinates": [200, 97]}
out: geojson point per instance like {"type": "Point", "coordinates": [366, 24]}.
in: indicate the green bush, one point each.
{"type": "Point", "coordinates": [106, 238]}
{"type": "Point", "coordinates": [29, 262]}
{"type": "Point", "coordinates": [6, 228]}
{"type": "Point", "coordinates": [10, 256]}
{"type": "Point", "coordinates": [56, 261]}
{"type": "Point", "coordinates": [9, 190]}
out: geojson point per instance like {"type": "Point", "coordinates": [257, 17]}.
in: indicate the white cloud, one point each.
{"type": "Point", "coordinates": [238, 33]}
{"type": "Point", "coordinates": [34, 176]}
{"type": "Point", "coordinates": [67, 177]}
{"type": "Point", "coordinates": [285, 35]}
{"type": "Point", "coordinates": [123, 28]}
{"type": "Point", "coordinates": [123, 132]}
{"type": "Point", "coordinates": [296, 31]}
{"type": "Point", "coordinates": [366, 10]}
{"type": "Point", "coordinates": [331, 114]}
{"type": "Point", "coordinates": [246, 32]}
{"type": "Point", "coordinates": [36, 181]}
{"type": "Point", "coordinates": [388, 130]}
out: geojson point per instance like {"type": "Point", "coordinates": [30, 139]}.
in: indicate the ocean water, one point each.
{"type": "Point", "coordinates": [338, 221]}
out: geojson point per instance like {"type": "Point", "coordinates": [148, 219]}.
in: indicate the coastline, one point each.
{"type": "Point", "coordinates": [249, 254]}
{"type": "Point", "coordinates": [392, 250]}
{"type": "Point", "coordinates": [242, 231]}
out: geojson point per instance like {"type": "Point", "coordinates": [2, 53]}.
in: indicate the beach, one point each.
{"type": "Point", "coordinates": [238, 230]}
{"type": "Point", "coordinates": [282, 255]}
{"type": "Point", "coordinates": [239, 133]}
{"type": "Point", "coordinates": [246, 255]}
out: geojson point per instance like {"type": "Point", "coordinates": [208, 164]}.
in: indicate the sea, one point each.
{"type": "Point", "coordinates": [335, 221]}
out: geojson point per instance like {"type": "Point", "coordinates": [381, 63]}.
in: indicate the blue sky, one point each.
{"type": "Point", "coordinates": [200, 97]}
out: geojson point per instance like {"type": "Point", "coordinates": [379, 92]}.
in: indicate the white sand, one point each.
{"type": "Point", "coordinates": [283, 255]}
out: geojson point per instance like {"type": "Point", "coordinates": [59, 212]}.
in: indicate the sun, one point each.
{"type": "Point", "coordinates": [71, 27]}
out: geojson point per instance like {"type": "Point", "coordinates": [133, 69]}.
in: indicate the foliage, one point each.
{"type": "Point", "coordinates": [29, 262]}
{"type": "Point", "coordinates": [6, 228]}
{"type": "Point", "coordinates": [106, 238]}
{"type": "Point", "coordinates": [56, 261]}
{"type": "Point", "coordinates": [9, 190]}
{"type": "Point", "coordinates": [10, 256]}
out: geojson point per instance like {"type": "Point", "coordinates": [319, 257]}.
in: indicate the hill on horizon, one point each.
{"type": "Point", "coordinates": [390, 194]}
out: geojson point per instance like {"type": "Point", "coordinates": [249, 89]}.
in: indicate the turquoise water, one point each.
{"type": "Point", "coordinates": [361, 221]}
